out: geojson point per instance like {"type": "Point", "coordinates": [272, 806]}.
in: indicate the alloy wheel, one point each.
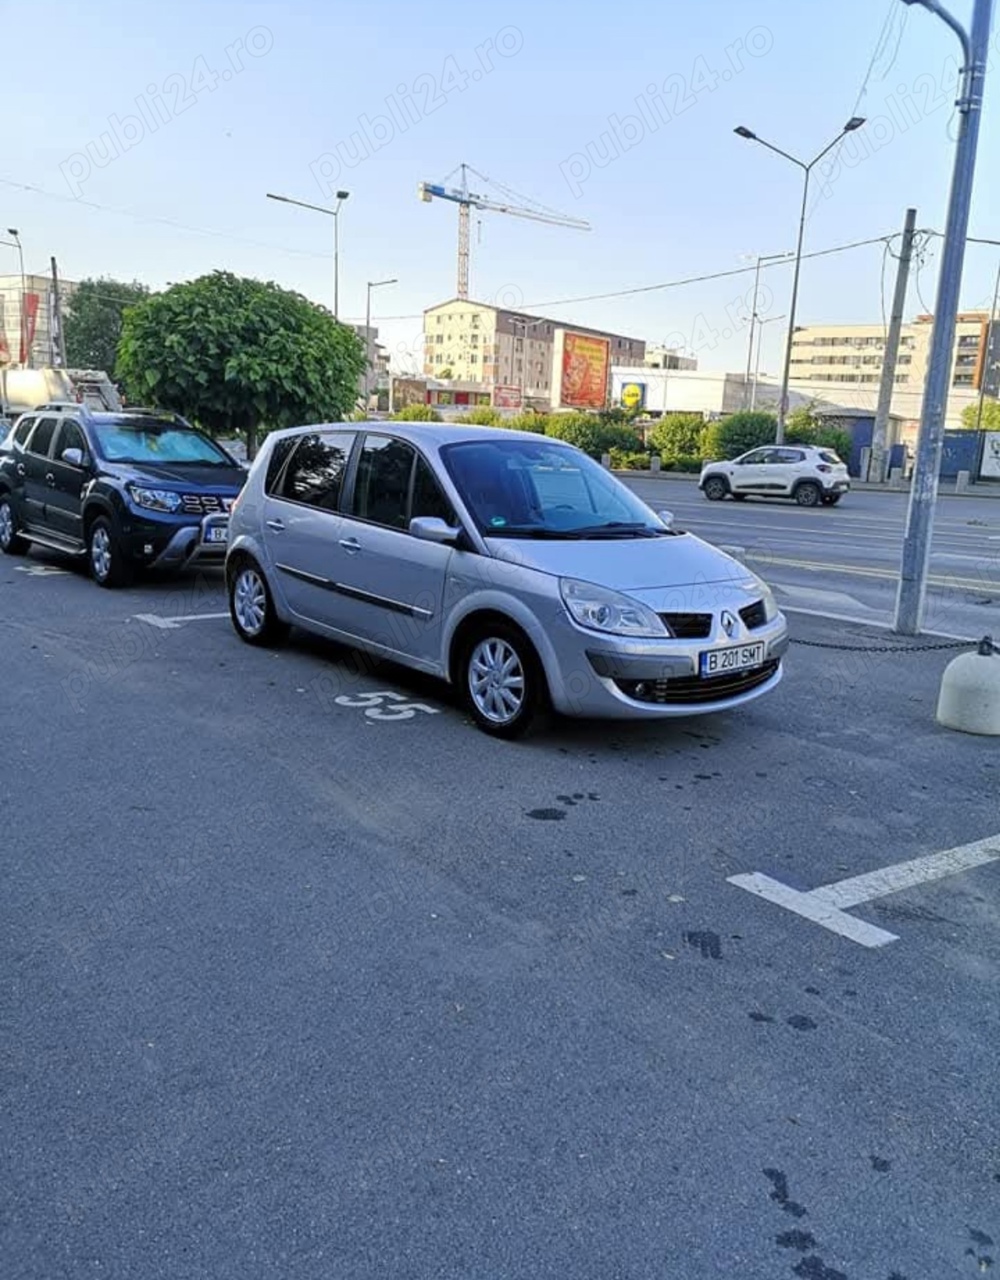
{"type": "Point", "coordinates": [496, 680]}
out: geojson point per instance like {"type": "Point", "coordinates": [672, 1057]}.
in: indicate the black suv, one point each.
{"type": "Point", "coordinates": [129, 489]}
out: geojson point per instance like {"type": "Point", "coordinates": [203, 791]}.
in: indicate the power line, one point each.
{"type": "Point", "coordinates": [164, 222]}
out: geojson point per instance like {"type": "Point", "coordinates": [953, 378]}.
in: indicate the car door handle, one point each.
{"type": "Point", "coordinates": [350, 545]}
{"type": "Point", "coordinates": [277, 525]}
{"type": "Point", "coordinates": [50, 479]}
{"type": "Point", "coordinates": [20, 468]}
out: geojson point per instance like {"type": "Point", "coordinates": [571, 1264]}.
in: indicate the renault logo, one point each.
{"type": "Point", "coordinates": [728, 623]}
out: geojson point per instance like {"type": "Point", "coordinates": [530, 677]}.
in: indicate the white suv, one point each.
{"type": "Point", "coordinates": [809, 475]}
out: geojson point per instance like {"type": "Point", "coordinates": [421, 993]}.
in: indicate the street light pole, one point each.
{"type": "Point", "coordinates": [760, 343]}
{"type": "Point", "coordinates": [855, 122]}
{"type": "Point", "coordinates": [25, 351]}
{"type": "Point", "coordinates": [753, 329]}
{"type": "Point", "coordinates": [369, 344]}
{"type": "Point", "coordinates": [335, 214]}
{"type": "Point", "coordinates": [912, 594]}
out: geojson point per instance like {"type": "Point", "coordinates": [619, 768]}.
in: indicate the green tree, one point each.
{"type": "Point", "coordinates": [590, 434]}
{"type": "Point", "coordinates": [738, 433]}
{"type": "Point", "coordinates": [240, 355]}
{"type": "Point", "coordinates": [678, 435]}
{"type": "Point", "coordinates": [446, 373]}
{"type": "Point", "coordinates": [991, 415]}
{"type": "Point", "coordinates": [417, 413]}
{"type": "Point", "coordinates": [93, 322]}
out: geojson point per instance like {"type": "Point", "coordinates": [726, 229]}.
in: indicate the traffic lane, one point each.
{"type": "Point", "coordinates": [520, 994]}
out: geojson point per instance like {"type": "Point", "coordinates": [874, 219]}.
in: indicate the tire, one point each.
{"type": "Point", "coordinates": [808, 494]}
{"type": "Point", "coordinates": [251, 605]}
{"type": "Point", "coordinates": [109, 566]}
{"type": "Point", "coordinates": [502, 681]}
{"type": "Point", "coordinates": [715, 488]}
{"type": "Point", "coordinates": [11, 542]}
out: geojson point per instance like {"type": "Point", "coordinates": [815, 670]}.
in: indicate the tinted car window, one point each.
{"type": "Point", "coordinates": [315, 472]}
{"type": "Point", "coordinates": [71, 437]}
{"type": "Point", "coordinates": [382, 487]}
{"type": "Point", "coordinates": [41, 437]}
{"type": "Point", "coordinates": [24, 430]}
{"type": "Point", "coordinates": [428, 498]}
{"type": "Point", "coordinates": [827, 455]}
{"type": "Point", "coordinates": [788, 455]}
{"type": "Point", "coordinates": [277, 460]}
{"type": "Point", "coordinates": [756, 458]}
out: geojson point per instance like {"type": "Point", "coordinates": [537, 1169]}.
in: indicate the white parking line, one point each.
{"type": "Point", "coordinates": [171, 624]}
{"type": "Point", "coordinates": [826, 906]}
{"type": "Point", "coordinates": [41, 571]}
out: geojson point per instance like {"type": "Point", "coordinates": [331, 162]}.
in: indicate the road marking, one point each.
{"type": "Point", "coordinates": [399, 707]}
{"type": "Point", "coordinates": [41, 571]}
{"type": "Point", "coordinates": [821, 596]}
{"type": "Point", "coordinates": [821, 566]}
{"type": "Point", "coordinates": [827, 905]}
{"type": "Point", "coordinates": [171, 624]}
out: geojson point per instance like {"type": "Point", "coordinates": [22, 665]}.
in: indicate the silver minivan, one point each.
{"type": "Point", "coordinates": [507, 563]}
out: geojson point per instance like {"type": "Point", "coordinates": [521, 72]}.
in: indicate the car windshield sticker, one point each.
{"type": "Point", "coordinates": [498, 522]}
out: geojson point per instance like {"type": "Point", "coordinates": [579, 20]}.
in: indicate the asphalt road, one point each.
{"type": "Point", "coordinates": [844, 561]}
{"type": "Point", "coordinates": [299, 982]}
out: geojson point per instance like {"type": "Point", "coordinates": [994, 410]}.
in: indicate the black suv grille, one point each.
{"type": "Point", "coordinates": [690, 690]}
{"type": "Point", "coordinates": [754, 615]}
{"type": "Point", "coordinates": [689, 626]}
{"type": "Point", "coordinates": [205, 504]}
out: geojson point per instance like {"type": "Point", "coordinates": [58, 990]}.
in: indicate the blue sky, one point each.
{"type": "Point", "coordinates": [681, 196]}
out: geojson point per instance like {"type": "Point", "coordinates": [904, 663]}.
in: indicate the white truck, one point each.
{"type": "Point", "coordinates": [25, 389]}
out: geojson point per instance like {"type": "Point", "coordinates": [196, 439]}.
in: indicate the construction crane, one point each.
{"type": "Point", "coordinates": [467, 200]}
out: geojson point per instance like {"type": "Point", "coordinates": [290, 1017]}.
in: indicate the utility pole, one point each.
{"type": "Point", "coordinates": [753, 329]}
{"type": "Point", "coordinates": [876, 466]}
{"type": "Point", "coordinates": [912, 594]}
{"type": "Point", "coordinates": [984, 376]}
{"type": "Point", "coordinates": [59, 337]}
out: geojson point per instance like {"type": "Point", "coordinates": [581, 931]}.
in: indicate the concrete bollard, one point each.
{"type": "Point", "coordinates": [655, 462]}
{"type": "Point", "coordinates": [896, 478]}
{"type": "Point", "coordinates": [962, 482]}
{"type": "Point", "coordinates": [606, 461]}
{"type": "Point", "coordinates": [866, 465]}
{"type": "Point", "coordinates": [969, 700]}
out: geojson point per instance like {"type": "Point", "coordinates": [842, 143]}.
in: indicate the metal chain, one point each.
{"type": "Point", "coordinates": [985, 646]}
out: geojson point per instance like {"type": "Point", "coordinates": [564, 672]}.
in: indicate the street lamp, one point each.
{"type": "Point", "coordinates": [761, 258]}
{"type": "Point", "coordinates": [25, 352]}
{"type": "Point", "coordinates": [854, 123]}
{"type": "Point", "coordinates": [915, 562]}
{"type": "Point", "coordinates": [369, 344]}
{"type": "Point", "coordinates": [756, 371]}
{"type": "Point", "coordinates": [335, 214]}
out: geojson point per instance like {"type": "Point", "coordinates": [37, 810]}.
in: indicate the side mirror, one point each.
{"type": "Point", "coordinates": [434, 529]}
{"type": "Point", "coordinates": [73, 457]}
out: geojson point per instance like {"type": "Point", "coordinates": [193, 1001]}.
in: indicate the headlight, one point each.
{"type": "Point", "coordinates": [599, 609]}
{"type": "Point", "coordinates": [759, 587]}
{"type": "Point", "coordinates": [155, 499]}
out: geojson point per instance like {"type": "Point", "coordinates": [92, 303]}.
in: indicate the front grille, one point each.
{"type": "Point", "coordinates": [205, 504]}
{"type": "Point", "coordinates": [689, 626]}
{"type": "Point", "coordinates": [691, 690]}
{"type": "Point", "coordinates": [754, 615]}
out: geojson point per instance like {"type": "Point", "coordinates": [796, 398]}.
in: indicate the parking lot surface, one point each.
{"type": "Point", "coordinates": [305, 977]}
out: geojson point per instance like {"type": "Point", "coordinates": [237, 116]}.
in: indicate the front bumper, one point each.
{"type": "Point", "coordinates": [612, 678]}
{"type": "Point", "coordinates": [173, 542]}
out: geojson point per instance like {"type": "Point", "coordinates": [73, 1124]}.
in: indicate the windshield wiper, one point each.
{"type": "Point", "coordinates": [619, 529]}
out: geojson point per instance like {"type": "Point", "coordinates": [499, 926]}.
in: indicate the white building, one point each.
{"type": "Point", "coordinates": [38, 313]}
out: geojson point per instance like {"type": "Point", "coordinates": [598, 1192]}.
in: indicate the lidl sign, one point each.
{"type": "Point", "coordinates": [633, 395]}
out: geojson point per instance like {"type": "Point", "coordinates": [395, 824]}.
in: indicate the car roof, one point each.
{"type": "Point", "coordinates": [425, 433]}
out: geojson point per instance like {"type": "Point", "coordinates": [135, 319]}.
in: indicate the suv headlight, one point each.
{"type": "Point", "coordinates": [599, 609]}
{"type": "Point", "coordinates": [154, 499]}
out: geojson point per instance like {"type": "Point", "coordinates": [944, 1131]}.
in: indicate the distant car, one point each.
{"type": "Point", "coordinates": [510, 564]}
{"type": "Point", "coordinates": [125, 490]}
{"type": "Point", "coordinates": [811, 476]}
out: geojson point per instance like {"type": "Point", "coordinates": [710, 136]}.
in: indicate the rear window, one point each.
{"type": "Point", "coordinates": [827, 455]}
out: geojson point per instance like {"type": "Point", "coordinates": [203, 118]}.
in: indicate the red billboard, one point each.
{"type": "Point", "coordinates": [507, 397]}
{"type": "Point", "coordinates": [585, 365]}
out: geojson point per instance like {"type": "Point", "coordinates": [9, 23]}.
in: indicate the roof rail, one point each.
{"type": "Point", "coordinates": [75, 405]}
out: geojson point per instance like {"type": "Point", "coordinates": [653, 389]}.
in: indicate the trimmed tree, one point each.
{"type": "Point", "coordinates": [93, 322]}
{"type": "Point", "coordinates": [240, 356]}
{"type": "Point", "coordinates": [991, 415]}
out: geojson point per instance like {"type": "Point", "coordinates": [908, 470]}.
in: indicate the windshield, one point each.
{"type": "Point", "coordinates": [535, 489]}
{"type": "Point", "coordinates": [157, 440]}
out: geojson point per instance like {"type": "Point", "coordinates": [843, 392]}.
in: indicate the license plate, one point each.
{"type": "Point", "coordinates": [216, 533]}
{"type": "Point", "coordinates": [741, 657]}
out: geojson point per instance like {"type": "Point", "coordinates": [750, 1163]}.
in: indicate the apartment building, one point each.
{"type": "Point", "coordinates": [660, 357]}
{"type": "Point", "coordinates": [523, 355]}
{"type": "Point", "coordinates": [844, 362]}
{"type": "Point", "coordinates": [39, 313]}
